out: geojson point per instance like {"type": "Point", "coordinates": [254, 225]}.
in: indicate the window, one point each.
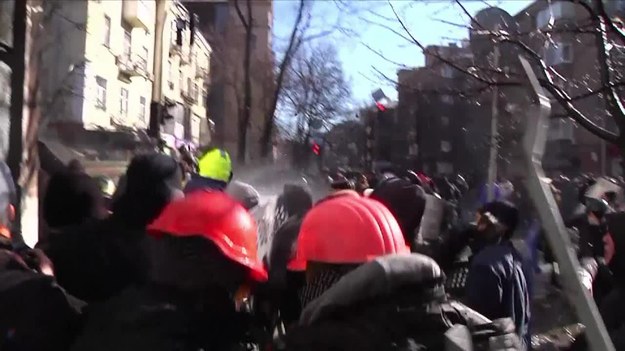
{"type": "Point", "coordinates": [190, 87]}
{"type": "Point", "coordinates": [445, 146]}
{"type": "Point", "coordinates": [204, 98]}
{"type": "Point", "coordinates": [100, 101]}
{"type": "Point", "coordinates": [180, 80]}
{"type": "Point", "coordinates": [143, 59]}
{"type": "Point", "coordinates": [445, 121]}
{"type": "Point", "coordinates": [196, 91]}
{"type": "Point", "coordinates": [561, 129]}
{"type": "Point", "coordinates": [106, 40]}
{"type": "Point", "coordinates": [554, 12]}
{"type": "Point", "coordinates": [127, 43]}
{"type": "Point", "coordinates": [170, 74]}
{"type": "Point", "coordinates": [558, 53]}
{"type": "Point", "coordinates": [142, 103]}
{"type": "Point", "coordinates": [448, 99]}
{"type": "Point", "coordinates": [123, 103]}
{"type": "Point", "coordinates": [447, 72]}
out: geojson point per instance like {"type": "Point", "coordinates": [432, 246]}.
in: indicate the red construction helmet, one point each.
{"type": "Point", "coordinates": [347, 229]}
{"type": "Point", "coordinates": [218, 218]}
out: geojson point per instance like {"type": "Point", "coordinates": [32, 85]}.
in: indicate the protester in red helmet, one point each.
{"type": "Point", "coordinates": [202, 255]}
{"type": "Point", "coordinates": [339, 234]}
{"type": "Point", "coordinates": [364, 290]}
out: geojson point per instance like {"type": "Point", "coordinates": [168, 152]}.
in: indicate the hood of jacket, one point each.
{"type": "Point", "coordinates": [244, 193]}
{"type": "Point", "coordinates": [198, 182]}
{"type": "Point", "coordinates": [381, 277]}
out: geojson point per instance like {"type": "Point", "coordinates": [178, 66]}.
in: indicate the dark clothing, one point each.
{"type": "Point", "coordinates": [156, 317]}
{"type": "Point", "coordinates": [36, 314]}
{"type": "Point", "coordinates": [198, 182]}
{"type": "Point", "coordinates": [392, 303]}
{"type": "Point", "coordinates": [406, 201]}
{"type": "Point", "coordinates": [71, 198]}
{"type": "Point", "coordinates": [496, 286]}
{"type": "Point", "coordinates": [97, 260]}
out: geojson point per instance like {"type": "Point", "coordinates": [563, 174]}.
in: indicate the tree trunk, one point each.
{"type": "Point", "coordinates": [246, 113]}
{"type": "Point", "coordinates": [266, 139]}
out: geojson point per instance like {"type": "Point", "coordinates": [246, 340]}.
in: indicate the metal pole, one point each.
{"type": "Point", "coordinates": [492, 161]}
{"type": "Point", "coordinates": [16, 132]}
{"type": "Point", "coordinates": [534, 143]}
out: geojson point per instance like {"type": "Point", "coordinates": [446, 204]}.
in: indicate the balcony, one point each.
{"type": "Point", "coordinates": [137, 13]}
{"type": "Point", "coordinates": [177, 50]}
{"type": "Point", "coordinates": [201, 73]}
{"type": "Point", "coordinates": [189, 95]}
{"type": "Point", "coordinates": [132, 66]}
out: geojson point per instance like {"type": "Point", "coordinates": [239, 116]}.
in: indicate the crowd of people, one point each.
{"type": "Point", "coordinates": [176, 259]}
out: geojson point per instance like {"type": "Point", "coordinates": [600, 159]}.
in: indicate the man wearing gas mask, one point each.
{"type": "Point", "coordinates": [496, 286]}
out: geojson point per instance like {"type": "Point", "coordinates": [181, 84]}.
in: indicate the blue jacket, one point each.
{"type": "Point", "coordinates": [198, 182]}
{"type": "Point", "coordinates": [496, 286]}
{"type": "Point", "coordinates": [484, 194]}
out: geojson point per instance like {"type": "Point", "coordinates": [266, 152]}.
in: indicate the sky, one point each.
{"type": "Point", "coordinates": [362, 31]}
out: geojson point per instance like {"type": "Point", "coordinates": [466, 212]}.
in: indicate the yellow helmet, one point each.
{"type": "Point", "coordinates": [215, 164]}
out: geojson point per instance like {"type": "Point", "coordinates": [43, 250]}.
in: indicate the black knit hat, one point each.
{"type": "Point", "coordinates": [405, 200]}
{"type": "Point", "coordinates": [71, 198]}
{"type": "Point", "coordinates": [504, 212]}
{"type": "Point", "coordinates": [149, 185]}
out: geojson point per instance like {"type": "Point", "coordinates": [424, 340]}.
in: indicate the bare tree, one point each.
{"type": "Point", "coordinates": [315, 92]}
{"type": "Point", "coordinates": [598, 29]}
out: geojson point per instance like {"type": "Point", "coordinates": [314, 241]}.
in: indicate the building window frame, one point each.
{"type": "Point", "coordinates": [127, 43]}
{"type": "Point", "coordinates": [445, 121]}
{"type": "Point", "coordinates": [143, 58]}
{"type": "Point", "coordinates": [447, 71]}
{"type": "Point", "coordinates": [107, 31]}
{"type": "Point", "coordinates": [123, 102]}
{"type": "Point", "coordinates": [170, 74]}
{"type": "Point", "coordinates": [558, 53]}
{"type": "Point", "coordinates": [100, 93]}
{"type": "Point", "coordinates": [142, 108]}
{"type": "Point", "coordinates": [447, 99]}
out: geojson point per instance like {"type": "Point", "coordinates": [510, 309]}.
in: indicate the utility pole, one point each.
{"type": "Point", "coordinates": [492, 162]}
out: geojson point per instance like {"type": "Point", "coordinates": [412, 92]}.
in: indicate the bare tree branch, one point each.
{"type": "Point", "coordinates": [244, 22]}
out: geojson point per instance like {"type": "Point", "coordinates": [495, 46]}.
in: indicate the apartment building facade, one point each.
{"type": "Point", "coordinates": [186, 79]}
{"type": "Point", "coordinates": [221, 26]}
{"type": "Point", "coordinates": [443, 130]}
{"type": "Point", "coordinates": [96, 76]}
{"type": "Point", "coordinates": [571, 148]}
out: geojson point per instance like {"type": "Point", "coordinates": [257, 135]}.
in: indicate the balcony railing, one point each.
{"type": "Point", "coordinates": [201, 72]}
{"type": "Point", "coordinates": [132, 66]}
{"type": "Point", "coordinates": [178, 50]}
{"type": "Point", "coordinates": [189, 95]}
{"type": "Point", "coordinates": [136, 13]}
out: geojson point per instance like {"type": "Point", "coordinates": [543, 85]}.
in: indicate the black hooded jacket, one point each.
{"type": "Point", "coordinates": [392, 303]}
{"type": "Point", "coordinates": [96, 260]}
{"type": "Point", "coordinates": [37, 315]}
{"type": "Point", "coordinates": [161, 318]}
